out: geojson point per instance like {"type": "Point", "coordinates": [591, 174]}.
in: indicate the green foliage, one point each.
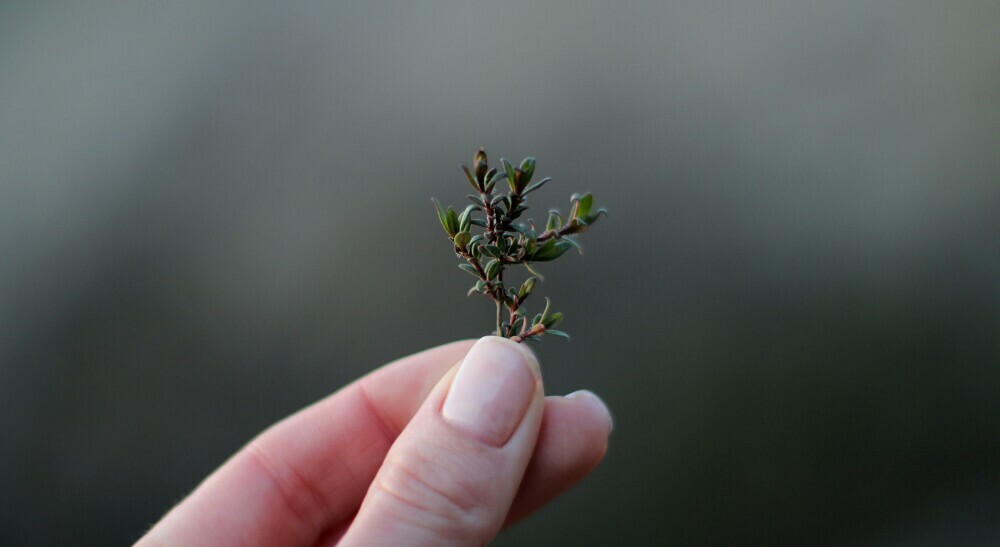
{"type": "Point", "coordinates": [504, 240]}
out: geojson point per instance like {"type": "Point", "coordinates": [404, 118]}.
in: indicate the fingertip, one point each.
{"type": "Point", "coordinates": [596, 404]}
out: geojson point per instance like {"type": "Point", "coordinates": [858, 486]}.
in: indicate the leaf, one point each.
{"type": "Point", "coordinates": [551, 252]}
{"type": "Point", "coordinates": [511, 175]}
{"type": "Point", "coordinates": [554, 222]}
{"type": "Point", "coordinates": [492, 268]}
{"type": "Point", "coordinates": [452, 220]}
{"type": "Point", "coordinates": [528, 267]}
{"type": "Point", "coordinates": [462, 239]}
{"type": "Point", "coordinates": [472, 179]}
{"type": "Point", "coordinates": [528, 168]}
{"type": "Point", "coordinates": [443, 217]}
{"type": "Point", "coordinates": [477, 200]}
{"type": "Point", "coordinates": [480, 164]}
{"type": "Point", "coordinates": [558, 333]}
{"type": "Point", "coordinates": [526, 288]}
{"type": "Point", "coordinates": [491, 250]}
{"type": "Point", "coordinates": [545, 312]}
{"type": "Point", "coordinates": [478, 287]}
{"type": "Point", "coordinates": [552, 320]}
{"type": "Point", "coordinates": [535, 186]}
{"type": "Point", "coordinates": [574, 242]}
{"type": "Point", "coordinates": [583, 205]}
{"type": "Point", "coordinates": [465, 219]}
{"type": "Point", "coordinates": [593, 218]}
{"type": "Point", "coordinates": [469, 268]}
{"type": "Point", "coordinates": [493, 181]}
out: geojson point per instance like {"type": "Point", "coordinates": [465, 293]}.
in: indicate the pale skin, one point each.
{"type": "Point", "coordinates": [395, 459]}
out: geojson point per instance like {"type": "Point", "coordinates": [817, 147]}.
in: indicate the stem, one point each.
{"type": "Point", "coordinates": [536, 330]}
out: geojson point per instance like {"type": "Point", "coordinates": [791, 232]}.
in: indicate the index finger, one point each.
{"type": "Point", "coordinates": [307, 472]}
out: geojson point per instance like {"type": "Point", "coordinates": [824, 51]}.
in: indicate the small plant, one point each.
{"type": "Point", "coordinates": [503, 241]}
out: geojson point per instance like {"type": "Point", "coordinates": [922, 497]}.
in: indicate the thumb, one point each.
{"type": "Point", "coordinates": [450, 477]}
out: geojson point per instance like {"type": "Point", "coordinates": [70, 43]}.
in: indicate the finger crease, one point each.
{"type": "Point", "coordinates": [310, 510]}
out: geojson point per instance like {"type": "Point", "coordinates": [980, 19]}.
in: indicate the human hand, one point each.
{"type": "Point", "coordinates": [419, 452]}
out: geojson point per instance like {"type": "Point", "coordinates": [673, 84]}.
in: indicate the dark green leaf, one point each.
{"type": "Point", "coordinates": [466, 218]}
{"type": "Point", "coordinates": [554, 222]}
{"type": "Point", "coordinates": [593, 218]}
{"type": "Point", "coordinates": [535, 186]}
{"type": "Point", "coordinates": [572, 241]}
{"type": "Point", "coordinates": [551, 252]}
{"type": "Point", "coordinates": [452, 220]}
{"type": "Point", "coordinates": [469, 268]}
{"type": "Point", "coordinates": [443, 217]}
{"type": "Point", "coordinates": [534, 272]}
{"type": "Point", "coordinates": [491, 250]}
{"type": "Point", "coordinates": [492, 268]}
{"type": "Point", "coordinates": [552, 320]}
{"type": "Point", "coordinates": [528, 167]}
{"type": "Point", "coordinates": [511, 175]}
{"type": "Point", "coordinates": [472, 179]}
{"type": "Point", "coordinates": [558, 333]}
{"type": "Point", "coordinates": [526, 288]}
{"type": "Point", "coordinates": [477, 200]}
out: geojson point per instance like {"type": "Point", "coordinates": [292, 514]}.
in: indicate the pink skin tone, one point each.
{"type": "Point", "coordinates": [444, 447]}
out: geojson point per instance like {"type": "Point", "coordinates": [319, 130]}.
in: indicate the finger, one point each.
{"type": "Point", "coordinates": [311, 469]}
{"type": "Point", "coordinates": [452, 474]}
{"type": "Point", "coordinates": [572, 441]}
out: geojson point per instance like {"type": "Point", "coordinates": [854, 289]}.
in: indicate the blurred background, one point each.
{"type": "Point", "coordinates": [215, 213]}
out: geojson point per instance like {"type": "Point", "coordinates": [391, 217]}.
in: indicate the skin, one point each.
{"type": "Point", "coordinates": [375, 463]}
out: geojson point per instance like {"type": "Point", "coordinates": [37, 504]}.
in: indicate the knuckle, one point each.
{"type": "Point", "coordinates": [433, 490]}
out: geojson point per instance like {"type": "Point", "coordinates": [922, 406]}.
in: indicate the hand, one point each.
{"type": "Point", "coordinates": [419, 452]}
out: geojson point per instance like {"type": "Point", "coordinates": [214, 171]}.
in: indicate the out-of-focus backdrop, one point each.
{"type": "Point", "coordinates": [215, 213]}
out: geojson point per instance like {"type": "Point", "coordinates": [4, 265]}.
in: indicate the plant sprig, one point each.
{"type": "Point", "coordinates": [501, 240]}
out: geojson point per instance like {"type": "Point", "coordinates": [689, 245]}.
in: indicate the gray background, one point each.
{"type": "Point", "coordinates": [212, 214]}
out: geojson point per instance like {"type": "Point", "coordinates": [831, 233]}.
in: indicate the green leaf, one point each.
{"type": "Point", "coordinates": [558, 333]}
{"type": "Point", "coordinates": [443, 217]}
{"type": "Point", "coordinates": [534, 272]}
{"type": "Point", "coordinates": [472, 179]}
{"type": "Point", "coordinates": [469, 268]}
{"type": "Point", "coordinates": [552, 320]}
{"type": "Point", "coordinates": [491, 250]}
{"type": "Point", "coordinates": [492, 182]}
{"type": "Point", "coordinates": [528, 168]}
{"type": "Point", "coordinates": [551, 252]}
{"type": "Point", "coordinates": [583, 205]}
{"type": "Point", "coordinates": [526, 288]}
{"type": "Point", "coordinates": [478, 287]}
{"type": "Point", "coordinates": [492, 268]}
{"type": "Point", "coordinates": [511, 175]}
{"type": "Point", "coordinates": [465, 219]}
{"type": "Point", "coordinates": [535, 186]}
{"type": "Point", "coordinates": [452, 220]}
{"type": "Point", "coordinates": [590, 219]}
{"type": "Point", "coordinates": [572, 241]}
{"type": "Point", "coordinates": [540, 318]}
{"type": "Point", "coordinates": [554, 222]}
{"type": "Point", "coordinates": [477, 200]}
{"type": "Point", "coordinates": [462, 239]}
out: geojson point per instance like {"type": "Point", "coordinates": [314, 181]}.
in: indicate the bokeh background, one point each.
{"type": "Point", "coordinates": [215, 213]}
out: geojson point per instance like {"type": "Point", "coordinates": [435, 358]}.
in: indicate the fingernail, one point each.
{"type": "Point", "coordinates": [597, 402]}
{"type": "Point", "coordinates": [492, 390]}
